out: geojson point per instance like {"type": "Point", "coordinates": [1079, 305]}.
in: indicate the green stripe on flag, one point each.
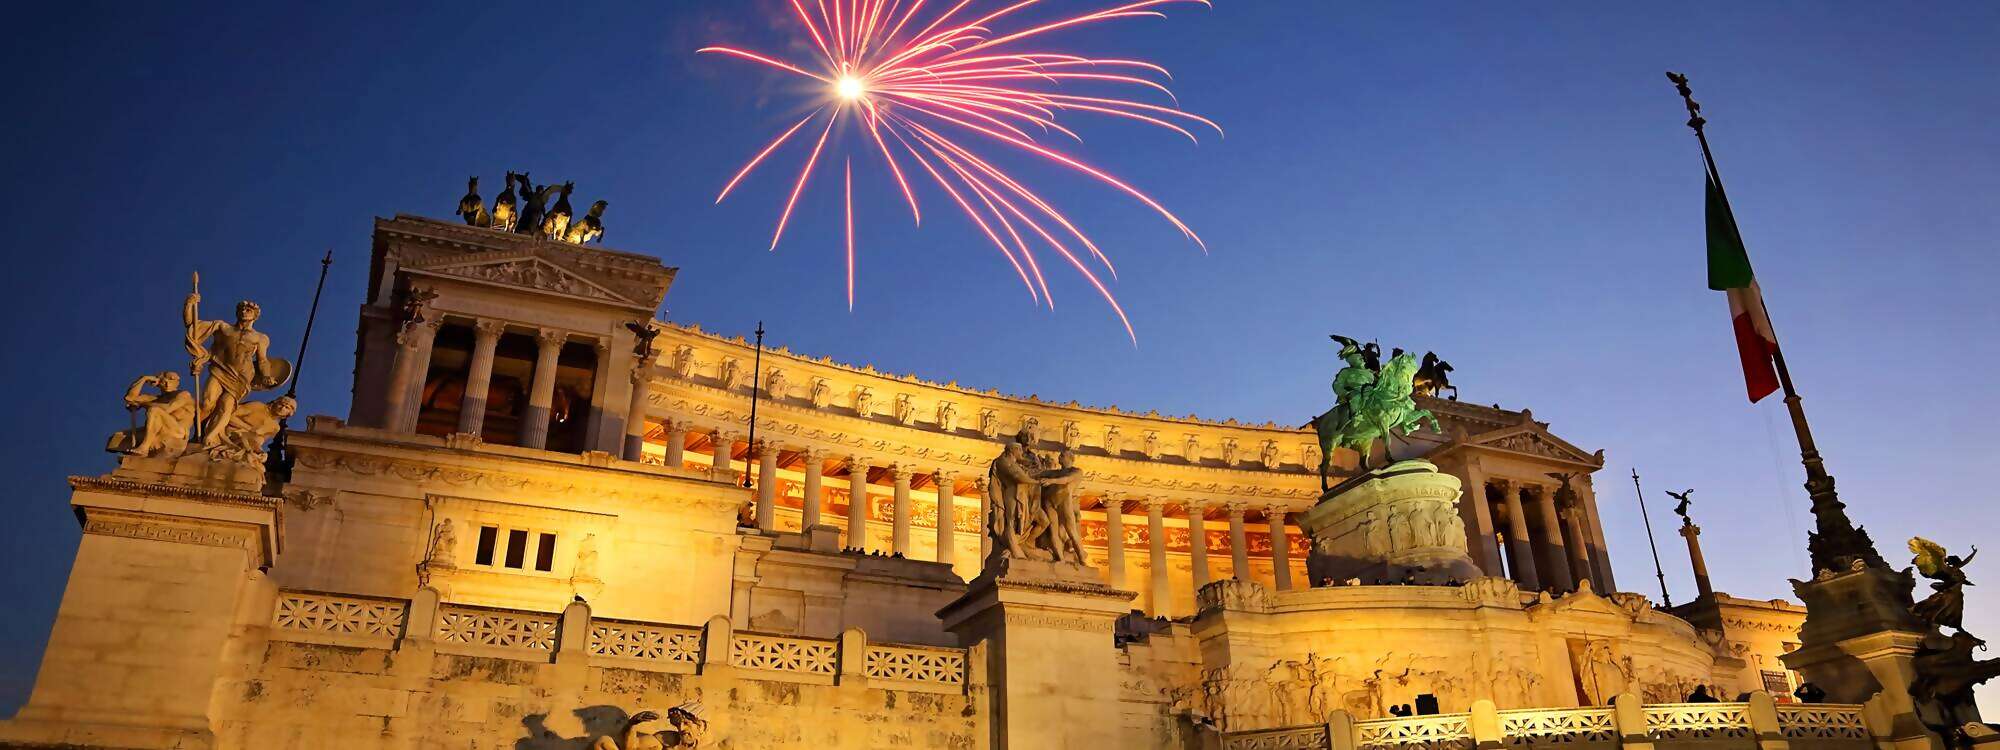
{"type": "Point", "coordinates": [1728, 261]}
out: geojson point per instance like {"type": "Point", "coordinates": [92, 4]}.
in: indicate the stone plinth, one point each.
{"type": "Point", "coordinates": [1858, 643]}
{"type": "Point", "coordinates": [139, 641]}
{"type": "Point", "coordinates": [1051, 659]}
{"type": "Point", "coordinates": [1387, 524]}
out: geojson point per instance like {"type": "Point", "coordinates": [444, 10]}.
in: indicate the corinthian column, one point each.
{"type": "Point", "coordinates": [767, 484]}
{"type": "Point", "coordinates": [899, 538]}
{"type": "Point", "coordinates": [1239, 544]}
{"type": "Point", "coordinates": [1557, 576]}
{"type": "Point", "coordinates": [1519, 551]}
{"type": "Point", "coordinates": [1156, 548]}
{"type": "Point", "coordinates": [1114, 539]}
{"type": "Point", "coordinates": [542, 394]}
{"type": "Point", "coordinates": [947, 540]}
{"type": "Point", "coordinates": [857, 503]}
{"type": "Point", "coordinates": [1198, 543]}
{"type": "Point", "coordinates": [725, 449]}
{"type": "Point", "coordinates": [1281, 548]}
{"type": "Point", "coordinates": [479, 378]}
{"type": "Point", "coordinates": [406, 379]}
{"type": "Point", "coordinates": [677, 433]}
{"type": "Point", "coordinates": [815, 467]}
{"type": "Point", "coordinates": [635, 413]}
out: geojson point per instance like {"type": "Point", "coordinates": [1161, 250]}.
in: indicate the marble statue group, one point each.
{"type": "Point", "coordinates": [228, 361]}
{"type": "Point", "coordinates": [1033, 512]}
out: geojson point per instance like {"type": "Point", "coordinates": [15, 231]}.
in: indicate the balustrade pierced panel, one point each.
{"type": "Point", "coordinates": [1291, 738]}
{"type": "Point", "coordinates": [781, 654]}
{"type": "Point", "coordinates": [1698, 721]}
{"type": "Point", "coordinates": [633, 640]}
{"type": "Point", "coordinates": [1557, 726]}
{"type": "Point", "coordinates": [1441, 732]}
{"type": "Point", "coordinates": [1818, 721]}
{"type": "Point", "coordinates": [529, 631]}
{"type": "Point", "coordinates": [944, 666]}
{"type": "Point", "coordinates": [326, 613]}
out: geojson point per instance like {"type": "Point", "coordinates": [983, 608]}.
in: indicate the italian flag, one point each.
{"type": "Point", "coordinates": [1729, 271]}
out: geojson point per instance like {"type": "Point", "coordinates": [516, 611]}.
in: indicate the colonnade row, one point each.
{"type": "Point", "coordinates": [1541, 537]}
{"type": "Point", "coordinates": [415, 343]}
{"type": "Point", "coordinates": [763, 461]}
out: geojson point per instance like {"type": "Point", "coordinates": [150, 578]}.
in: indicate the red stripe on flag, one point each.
{"type": "Point", "coordinates": [1760, 375]}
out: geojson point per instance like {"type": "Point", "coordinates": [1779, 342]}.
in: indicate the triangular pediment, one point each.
{"type": "Point", "coordinates": [525, 269]}
{"type": "Point", "coordinates": [1534, 440]}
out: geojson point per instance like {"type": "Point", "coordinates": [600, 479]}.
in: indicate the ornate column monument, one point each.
{"type": "Point", "coordinates": [1044, 615]}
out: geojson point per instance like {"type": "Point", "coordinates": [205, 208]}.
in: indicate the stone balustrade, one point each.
{"type": "Point", "coordinates": [1757, 724]}
{"type": "Point", "coordinates": [573, 634]}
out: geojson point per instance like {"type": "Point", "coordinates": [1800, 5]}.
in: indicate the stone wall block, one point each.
{"type": "Point", "coordinates": [1629, 715]}
{"type": "Point", "coordinates": [1764, 722]}
{"type": "Point", "coordinates": [1340, 730]}
{"type": "Point", "coordinates": [1486, 725]}
{"type": "Point", "coordinates": [715, 642]}
{"type": "Point", "coordinates": [853, 656]}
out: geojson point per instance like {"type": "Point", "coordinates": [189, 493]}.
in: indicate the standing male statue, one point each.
{"type": "Point", "coordinates": [237, 358]}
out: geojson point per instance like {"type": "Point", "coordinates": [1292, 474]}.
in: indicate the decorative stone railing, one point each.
{"type": "Point", "coordinates": [778, 653]}
{"type": "Point", "coordinates": [502, 629]}
{"type": "Point", "coordinates": [573, 636]}
{"type": "Point", "coordinates": [939, 669]}
{"type": "Point", "coordinates": [1760, 723]}
{"type": "Point", "coordinates": [664, 644]}
{"type": "Point", "coordinates": [1439, 732]}
{"type": "Point", "coordinates": [333, 618]}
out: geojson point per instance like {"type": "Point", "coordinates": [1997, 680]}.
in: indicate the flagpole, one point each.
{"type": "Point", "coordinates": [1836, 542]}
{"type": "Point", "coordinates": [1648, 518]}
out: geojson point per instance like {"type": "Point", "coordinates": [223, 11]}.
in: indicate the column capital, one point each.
{"type": "Point", "coordinates": [857, 461]}
{"type": "Point", "coordinates": [415, 333]}
{"type": "Point", "coordinates": [816, 454]}
{"type": "Point", "coordinates": [766, 449]}
{"type": "Point", "coordinates": [1276, 509]}
{"type": "Point", "coordinates": [670, 424]}
{"type": "Point", "coordinates": [1236, 509]}
{"type": "Point", "coordinates": [979, 485]}
{"type": "Point", "coordinates": [901, 472]}
{"type": "Point", "coordinates": [1155, 503]}
{"type": "Point", "coordinates": [725, 436]}
{"type": "Point", "coordinates": [547, 337]}
{"type": "Point", "coordinates": [942, 476]}
{"type": "Point", "coordinates": [485, 329]}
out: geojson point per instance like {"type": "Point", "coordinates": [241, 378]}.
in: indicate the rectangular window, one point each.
{"type": "Point", "coordinates": [517, 548]}
{"type": "Point", "coordinates": [488, 537]}
{"type": "Point", "coordinates": [545, 554]}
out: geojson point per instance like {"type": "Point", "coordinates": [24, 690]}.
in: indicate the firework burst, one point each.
{"type": "Point", "coordinates": [927, 89]}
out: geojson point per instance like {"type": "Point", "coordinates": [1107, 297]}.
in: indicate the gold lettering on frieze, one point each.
{"type": "Point", "coordinates": [1059, 622]}
{"type": "Point", "coordinates": [136, 527]}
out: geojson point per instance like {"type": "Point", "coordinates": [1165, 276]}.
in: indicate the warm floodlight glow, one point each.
{"type": "Point", "coordinates": [958, 74]}
{"type": "Point", "coordinates": [849, 88]}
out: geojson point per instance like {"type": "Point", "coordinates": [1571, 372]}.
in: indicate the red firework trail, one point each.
{"type": "Point", "coordinates": [930, 86]}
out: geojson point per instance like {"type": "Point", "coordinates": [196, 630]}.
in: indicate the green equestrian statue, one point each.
{"type": "Point", "coordinates": [1368, 405]}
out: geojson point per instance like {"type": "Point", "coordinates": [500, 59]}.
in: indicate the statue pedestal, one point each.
{"type": "Point", "coordinates": [1387, 524]}
{"type": "Point", "coordinates": [1858, 644]}
{"type": "Point", "coordinates": [195, 469]}
{"type": "Point", "coordinates": [1052, 662]}
{"type": "Point", "coordinates": [165, 574]}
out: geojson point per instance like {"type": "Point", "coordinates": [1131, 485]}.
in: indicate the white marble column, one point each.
{"type": "Point", "coordinates": [1480, 531]}
{"type": "Point", "coordinates": [947, 540]}
{"type": "Point", "coordinates": [899, 534]}
{"type": "Point", "coordinates": [985, 533]}
{"type": "Point", "coordinates": [1594, 524]}
{"type": "Point", "coordinates": [406, 380]}
{"type": "Point", "coordinates": [1281, 548]}
{"type": "Point", "coordinates": [810, 498]}
{"type": "Point", "coordinates": [767, 484]}
{"type": "Point", "coordinates": [1114, 539]}
{"type": "Point", "coordinates": [479, 377]}
{"type": "Point", "coordinates": [677, 433]}
{"type": "Point", "coordinates": [725, 448]}
{"type": "Point", "coordinates": [1555, 553]}
{"type": "Point", "coordinates": [1239, 544]}
{"type": "Point", "coordinates": [1198, 542]}
{"type": "Point", "coordinates": [1519, 551]}
{"type": "Point", "coordinates": [1156, 548]}
{"type": "Point", "coordinates": [857, 503]}
{"type": "Point", "coordinates": [542, 393]}
{"type": "Point", "coordinates": [635, 412]}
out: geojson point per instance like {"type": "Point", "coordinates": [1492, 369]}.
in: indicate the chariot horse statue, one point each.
{"type": "Point", "coordinates": [1367, 409]}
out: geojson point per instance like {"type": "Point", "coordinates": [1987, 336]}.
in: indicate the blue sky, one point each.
{"type": "Point", "coordinates": [1510, 185]}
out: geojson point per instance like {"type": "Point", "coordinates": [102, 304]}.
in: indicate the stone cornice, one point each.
{"type": "Point", "coordinates": [638, 276]}
{"type": "Point", "coordinates": [117, 486]}
{"type": "Point", "coordinates": [435, 467]}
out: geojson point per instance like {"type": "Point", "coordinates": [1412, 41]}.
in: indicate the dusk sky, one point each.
{"type": "Point", "coordinates": [1510, 185]}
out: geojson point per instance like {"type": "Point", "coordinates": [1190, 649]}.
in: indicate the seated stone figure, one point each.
{"type": "Point", "coordinates": [164, 419]}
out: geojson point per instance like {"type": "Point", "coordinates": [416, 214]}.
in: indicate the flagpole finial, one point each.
{"type": "Point", "coordinates": [1687, 95]}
